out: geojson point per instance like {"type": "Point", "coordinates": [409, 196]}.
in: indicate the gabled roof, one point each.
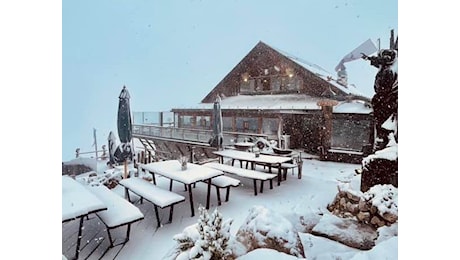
{"type": "Point", "coordinates": [317, 82]}
{"type": "Point", "coordinates": [322, 73]}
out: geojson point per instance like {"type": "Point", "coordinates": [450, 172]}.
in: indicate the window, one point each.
{"type": "Point", "coordinates": [228, 123]}
{"type": "Point", "coordinates": [246, 124]}
{"type": "Point", "coordinates": [350, 134]}
{"type": "Point", "coordinates": [270, 126]}
{"type": "Point", "coordinates": [266, 84]}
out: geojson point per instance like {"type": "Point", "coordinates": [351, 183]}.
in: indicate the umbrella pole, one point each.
{"type": "Point", "coordinates": [126, 169]}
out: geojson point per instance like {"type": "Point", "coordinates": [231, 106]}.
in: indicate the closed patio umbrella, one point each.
{"type": "Point", "coordinates": [125, 130]}
{"type": "Point", "coordinates": [217, 126]}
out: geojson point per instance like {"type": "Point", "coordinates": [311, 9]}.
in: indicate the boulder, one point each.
{"type": "Point", "coordinates": [264, 228]}
{"type": "Point", "coordinates": [346, 231]}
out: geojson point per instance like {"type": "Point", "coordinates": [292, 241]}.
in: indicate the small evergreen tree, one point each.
{"type": "Point", "coordinates": [213, 242]}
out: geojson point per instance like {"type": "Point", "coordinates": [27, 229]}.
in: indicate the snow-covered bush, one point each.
{"type": "Point", "coordinates": [209, 239]}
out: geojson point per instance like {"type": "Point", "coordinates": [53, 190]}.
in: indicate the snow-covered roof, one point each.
{"type": "Point", "coordinates": [352, 107]}
{"type": "Point", "coordinates": [267, 102]}
{"type": "Point", "coordinates": [285, 102]}
{"type": "Point", "coordinates": [322, 73]}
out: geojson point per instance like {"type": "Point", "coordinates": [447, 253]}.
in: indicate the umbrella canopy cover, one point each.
{"type": "Point", "coordinates": [124, 117]}
{"type": "Point", "coordinates": [124, 123]}
{"type": "Point", "coordinates": [217, 126]}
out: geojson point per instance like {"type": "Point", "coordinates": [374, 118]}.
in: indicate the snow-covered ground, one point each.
{"type": "Point", "coordinates": [294, 198]}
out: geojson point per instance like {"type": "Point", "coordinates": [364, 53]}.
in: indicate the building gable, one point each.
{"type": "Point", "coordinates": [265, 70]}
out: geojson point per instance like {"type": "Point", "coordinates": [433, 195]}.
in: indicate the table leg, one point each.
{"type": "Point", "coordinates": [279, 174]}
{"type": "Point", "coordinates": [209, 194]}
{"type": "Point", "coordinates": [153, 177]}
{"type": "Point", "coordinates": [191, 199]}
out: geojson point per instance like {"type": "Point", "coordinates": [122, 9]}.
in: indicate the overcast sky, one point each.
{"type": "Point", "coordinates": [173, 53]}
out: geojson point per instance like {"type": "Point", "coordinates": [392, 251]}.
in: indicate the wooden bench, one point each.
{"type": "Point", "coordinates": [119, 211]}
{"type": "Point", "coordinates": [245, 173]}
{"type": "Point", "coordinates": [154, 194]}
{"type": "Point", "coordinates": [224, 182]}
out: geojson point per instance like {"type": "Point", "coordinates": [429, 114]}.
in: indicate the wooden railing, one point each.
{"type": "Point", "coordinates": [192, 135]}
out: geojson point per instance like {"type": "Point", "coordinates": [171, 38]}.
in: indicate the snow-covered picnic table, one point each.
{"type": "Point", "coordinates": [270, 160]}
{"type": "Point", "coordinates": [78, 202]}
{"type": "Point", "coordinates": [171, 169]}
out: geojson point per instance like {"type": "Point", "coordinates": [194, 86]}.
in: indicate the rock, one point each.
{"type": "Point", "coordinates": [353, 197]}
{"type": "Point", "coordinates": [346, 231]}
{"type": "Point", "coordinates": [376, 221]}
{"type": "Point", "coordinates": [363, 216]}
{"type": "Point", "coordinates": [363, 206]}
{"type": "Point", "coordinates": [390, 217]}
{"type": "Point", "coordinates": [343, 203]}
{"type": "Point", "coordinates": [264, 228]}
{"type": "Point", "coordinates": [352, 208]}
{"type": "Point", "coordinates": [374, 210]}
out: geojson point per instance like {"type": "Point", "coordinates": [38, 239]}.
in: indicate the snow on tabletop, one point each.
{"type": "Point", "coordinates": [265, 253]}
{"type": "Point", "coordinates": [384, 197]}
{"type": "Point", "coordinates": [119, 210]}
{"type": "Point", "coordinates": [77, 200]}
{"type": "Point", "coordinates": [387, 250]}
{"type": "Point", "coordinates": [172, 169]}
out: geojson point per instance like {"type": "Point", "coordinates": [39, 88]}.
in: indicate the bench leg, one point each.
{"type": "Point", "coordinates": [170, 185]}
{"type": "Point", "coordinates": [153, 178]}
{"type": "Point", "coordinates": [127, 194]}
{"type": "Point", "coordinates": [127, 232]}
{"type": "Point", "coordinates": [185, 187]}
{"type": "Point", "coordinates": [241, 164]}
{"type": "Point", "coordinates": [171, 213]}
{"type": "Point", "coordinates": [233, 162]}
{"type": "Point", "coordinates": [218, 196]}
{"type": "Point", "coordinates": [262, 186]}
{"type": "Point", "coordinates": [255, 187]}
{"type": "Point", "coordinates": [284, 174]}
{"type": "Point", "coordinates": [157, 215]}
{"type": "Point", "coordinates": [299, 172]}
{"type": "Point", "coordinates": [80, 227]}
{"type": "Point", "coordinates": [110, 237]}
{"type": "Point", "coordinates": [227, 196]}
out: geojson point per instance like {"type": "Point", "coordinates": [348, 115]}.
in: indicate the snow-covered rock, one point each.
{"type": "Point", "coordinates": [265, 228]}
{"type": "Point", "coordinates": [265, 253]}
{"type": "Point", "coordinates": [346, 231]}
{"type": "Point", "coordinates": [387, 250]}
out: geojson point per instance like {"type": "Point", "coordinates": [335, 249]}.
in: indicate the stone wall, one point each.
{"type": "Point", "coordinates": [352, 204]}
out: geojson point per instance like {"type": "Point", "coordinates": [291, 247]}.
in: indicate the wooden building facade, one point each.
{"type": "Point", "coordinates": [273, 93]}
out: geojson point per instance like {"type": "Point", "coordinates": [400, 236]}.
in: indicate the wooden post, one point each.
{"type": "Point", "coordinates": [95, 141]}
{"type": "Point", "coordinates": [125, 169]}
